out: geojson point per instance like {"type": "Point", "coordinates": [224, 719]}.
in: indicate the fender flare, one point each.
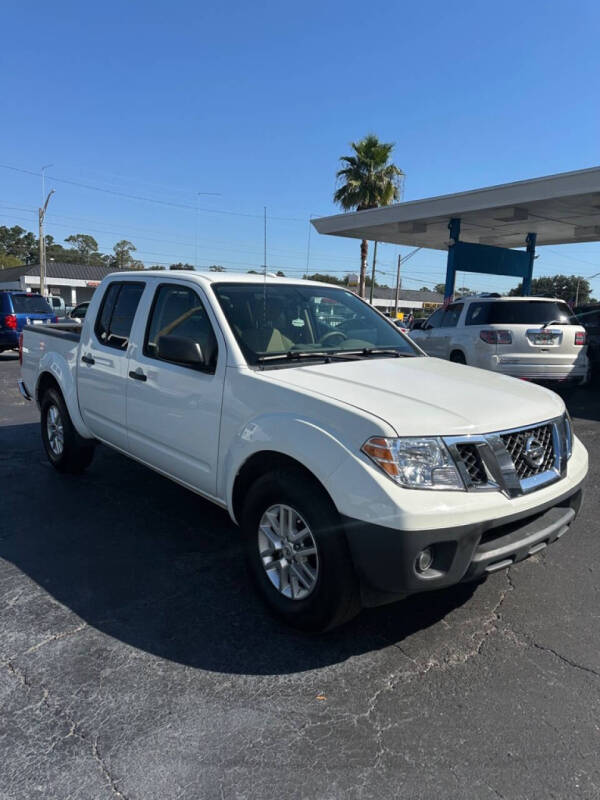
{"type": "Point", "coordinates": [63, 373]}
{"type": "Point", "coordinates": [317, 450]}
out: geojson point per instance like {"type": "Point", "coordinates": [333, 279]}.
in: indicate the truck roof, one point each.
{"type": "Point", "coordinates": [218, 277]}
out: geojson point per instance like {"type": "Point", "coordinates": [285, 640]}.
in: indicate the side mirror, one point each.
{"type": "Point", "coordinates": [181, 350]}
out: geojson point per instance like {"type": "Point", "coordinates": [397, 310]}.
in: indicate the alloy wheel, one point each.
{"type": "Point", "coordinates": [288, 552]}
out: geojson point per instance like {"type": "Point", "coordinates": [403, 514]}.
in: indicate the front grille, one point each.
{"type": "Point", "coordinates": [532, 450]}
{"type": "Point", "coordinates": [472, 462]}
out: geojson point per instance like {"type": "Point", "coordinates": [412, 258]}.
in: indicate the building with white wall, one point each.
{"type": "Point", "coordinates": [73, 282]}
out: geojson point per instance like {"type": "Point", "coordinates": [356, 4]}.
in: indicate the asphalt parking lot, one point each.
{"type": "Point", "coordinates": [136, 662]}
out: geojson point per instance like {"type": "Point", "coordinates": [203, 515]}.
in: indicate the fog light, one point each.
{"type": "Point", "coordinates": [424, 560]}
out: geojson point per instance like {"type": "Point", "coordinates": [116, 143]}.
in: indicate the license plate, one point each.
{"type": "Point", "coordinates": [544, 338]}
{"type": "Point", "coordinates": [38, 321]}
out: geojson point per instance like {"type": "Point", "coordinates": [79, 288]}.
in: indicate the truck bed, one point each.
{"type": "Point", "coordinates": [63, 330]}
{"type": "Point", "coordinates": [39, 341]}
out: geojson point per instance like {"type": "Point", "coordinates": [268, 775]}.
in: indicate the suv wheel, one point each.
{"type": "Point", "coordinates": [297, 553]}
{"type": "Point", "coordinates": [67, 451]}
{"type": "Point", "coordinates": [457, 357]}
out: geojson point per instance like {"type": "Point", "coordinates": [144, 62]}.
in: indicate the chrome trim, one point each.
{"type": "Point", "coordinates": [498, 464]}
{"type": "Point", "coordinates": [24, 390]}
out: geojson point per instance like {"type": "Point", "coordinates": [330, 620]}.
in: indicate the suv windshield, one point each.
{"type": "Point", "coordinates": [271, 321]}
{"type": "Point", "coordinates": [30, 304]}
{"type": "Point", "coordinates": [519, 312]}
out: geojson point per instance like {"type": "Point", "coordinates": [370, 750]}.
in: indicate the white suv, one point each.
{"type": "Point", "coordinates": [526, 337]}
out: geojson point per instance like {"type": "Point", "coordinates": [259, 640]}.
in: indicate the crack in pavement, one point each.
{"type": "Point", "coordinates": [74, 727]}
{"type": "Point", "coordinates": [55, 637]}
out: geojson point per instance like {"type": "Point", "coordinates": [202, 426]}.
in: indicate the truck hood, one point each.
{"type": "Point", "coordinates": [427, 396]}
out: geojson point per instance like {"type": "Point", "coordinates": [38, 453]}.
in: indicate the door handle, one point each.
{"type": "Point", "coordinates": [138, 376]}
{"type": "Point", "coordinates": [88, 360]}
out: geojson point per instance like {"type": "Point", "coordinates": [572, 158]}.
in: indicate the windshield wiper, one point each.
{"type": "Point", "coordinates": [296, 355]}
{"type": "Point", "coordinates": [377, 351]}
{"type": "Point", "coordinates": [554, 322]}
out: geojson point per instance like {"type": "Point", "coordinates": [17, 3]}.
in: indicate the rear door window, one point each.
{"type": "Point", "coordinates": [117, 313]}
{"type": "Point", "coordinates": [519, 312]}
{"type": "Point", "coordinates": [30, 304]}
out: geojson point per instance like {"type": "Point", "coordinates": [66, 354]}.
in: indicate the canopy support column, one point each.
{"type": "Point", "coordinates": [454, 228]}
{"type": "Point", "coordinates": [530, 240]}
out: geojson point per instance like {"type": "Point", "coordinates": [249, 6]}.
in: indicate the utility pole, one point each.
{"type": "Point", "coordinates": [42, 214]}
{"type": "Point", "coordinates": [373, 273]}
{"type": "Point", "coordinates": [579, 279]}
{"type": "Point", "coordinates": [397, 301]}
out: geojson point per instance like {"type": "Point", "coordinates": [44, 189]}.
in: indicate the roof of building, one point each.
{"type": "Point", "coordinates": [56, 269]}
{"type": "Point", "coordinates": [560, 209]}
{"type": "Point", "coordinates": [384, 293]}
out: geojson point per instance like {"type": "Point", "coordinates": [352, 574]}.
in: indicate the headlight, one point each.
{"type": "Point", "coordinates": [416, 463]}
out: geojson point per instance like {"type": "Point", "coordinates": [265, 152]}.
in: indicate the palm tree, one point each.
{"type": "Point", "coordinates": [367, 180]}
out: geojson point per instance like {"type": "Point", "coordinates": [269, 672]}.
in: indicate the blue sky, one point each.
{"type": "Point", "coordinates": [257, 101]}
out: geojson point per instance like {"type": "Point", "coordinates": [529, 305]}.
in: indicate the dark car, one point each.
{"type": "Point", "coordinates": [589, 317]}
{"type": "Point", "coordinates": [18, 309]}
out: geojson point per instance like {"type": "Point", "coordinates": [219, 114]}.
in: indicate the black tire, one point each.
{"type": "Point", "coordinates": [335, 596]}
{"type": "Point", "coordinates": [76, 453]}
{"type": "Point", "coordinates": [457, 357]}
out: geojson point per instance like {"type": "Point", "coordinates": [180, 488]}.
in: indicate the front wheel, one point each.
{"type": "Point", "coordinates": [67, 451]}
{"type": "Point", "coordinates": [297, 552]}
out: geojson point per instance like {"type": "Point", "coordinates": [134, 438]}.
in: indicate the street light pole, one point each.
{"type": "Point", "coordinates": [588, 278]}
{"type": "Point", "coordinates": [373, 273]}
{"type": "Point", "coordinates": [42, 214]}
{"type": "Point", "coordinates": [397, 287]}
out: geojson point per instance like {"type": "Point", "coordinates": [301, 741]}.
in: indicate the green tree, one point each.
{"type": "Point", "coordinates": [84, 244]}
{"type": "Point", "coordinates": [440, 288]}
{"type": "Point", "coordinates": [7, 261]}
{"type": "Point", "coordinates": [324, 278]}
{"type": "Point", "coordinates": [216, 268]}
{"type": "Point", "coordinates": [18, 242]}
{"type": "Point", "coordinates": [572, 288]}
{"type": "Point", "coordinates": [367, 179]}
{"type": "Point", "coordinates": [123, 250]}
{"type": "Point", "coordinates": [181, 265]}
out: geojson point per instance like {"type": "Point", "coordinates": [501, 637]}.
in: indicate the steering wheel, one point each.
{"type": "Point", "coordinates": [331, 334]}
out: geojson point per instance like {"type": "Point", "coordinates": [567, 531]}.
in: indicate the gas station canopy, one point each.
{"type": "Point", "coordinates": [559, 209]}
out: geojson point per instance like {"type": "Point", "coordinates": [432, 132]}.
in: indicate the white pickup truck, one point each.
{"type": "Point", "coordinates": [359, 469]}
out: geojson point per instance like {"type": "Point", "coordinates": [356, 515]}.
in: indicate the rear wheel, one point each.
{"type": "Point", "coordinates": [297, 552]}
{"type": "Point", "coordinates": [458, 357]}
{"type": "Point", "coordinates": [67, 451]}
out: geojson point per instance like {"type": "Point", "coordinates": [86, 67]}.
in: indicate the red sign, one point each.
{"type": "Point", "coordinates": [93, 284]}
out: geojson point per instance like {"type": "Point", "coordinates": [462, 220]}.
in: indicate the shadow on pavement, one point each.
{"type": "Point", "coordinates": [583, 402]}
{"type": "Point", "coordinates": [9, 355]}
{"type": "Point", "coordinates": [149, 563]}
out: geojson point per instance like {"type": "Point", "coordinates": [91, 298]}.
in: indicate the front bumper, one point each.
{"type": "Point", "coordinates": [385, 559]}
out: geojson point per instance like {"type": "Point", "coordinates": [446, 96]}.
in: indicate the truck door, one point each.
{"type": "Point", "coordinates": [103, 357]}
{"type": "Point", "coordinates": [174, 410]}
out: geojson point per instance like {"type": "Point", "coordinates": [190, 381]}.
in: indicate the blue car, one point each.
{"type": "Point", "coordinates": [18, 309]}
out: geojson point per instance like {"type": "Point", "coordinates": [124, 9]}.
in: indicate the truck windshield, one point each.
{"type": "Point", "coordinates": [270, 320]}
{"type": "Point", "coordinates": [30, 304]}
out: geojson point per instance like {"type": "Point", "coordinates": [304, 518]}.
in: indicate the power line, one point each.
{"type": "Point", "coordinates": [148, 199]}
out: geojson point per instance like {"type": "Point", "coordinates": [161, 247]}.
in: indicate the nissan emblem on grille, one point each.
{"type": "Point", "coordinates": [533, 452]}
